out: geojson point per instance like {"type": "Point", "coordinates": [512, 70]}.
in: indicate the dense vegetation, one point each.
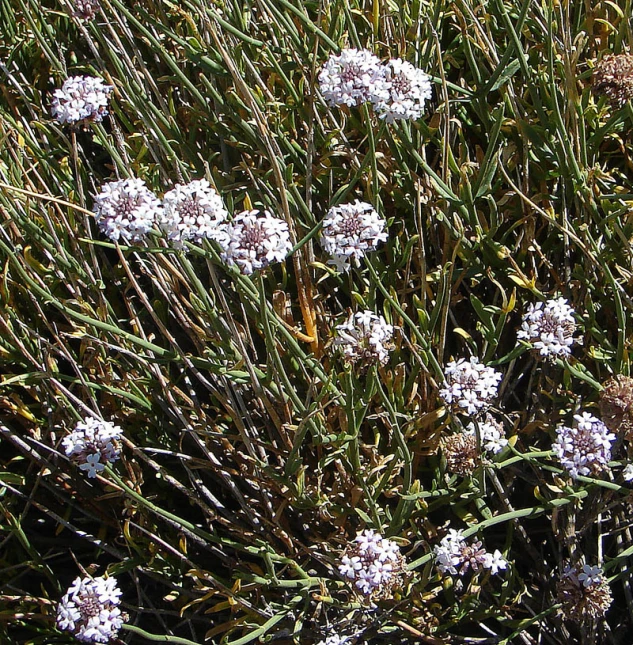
{"type": "Point", "coordinates": [251, 451]}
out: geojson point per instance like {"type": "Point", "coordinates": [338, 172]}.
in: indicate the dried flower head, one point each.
{"type": "Point", "coordinates": [253, 240]}
{"type": "Point", "coordinates": [491, 433]}
{"type": "Point", "coordinates": [470, 386]}
{"type": "Point", "coordinates": [90, 610]}
{"type": "Point", "coordinates": [364, 338]}
{"type": "Point", "coordinates": [616, 405]}
{"type": "Point", "coordinates": [455, 556]}
{"type": "Point", "coordinates": [549, 328]}
{"type": "Point", "coordinates": [583, 593]}
{"type": "Point", "coordinates": [373, 564]}
{"type": "Point", "coordinates": [127, 210]}
{"type": "Point", "coordinates": [351, 78]}
{"type": "Point", "coordinates": [406, 90]}
{"type": "Point", "coordinates": [613, 77]}
{"type": "Point", "coordinates": [586, 448]}
{"type": "Point", "coordinates": [85, 9]}
{"type": "Point", "coordinates": [92, 444]}
{"type": "Point", "coordinates": [350, 231]}
{"type": "Point", "coordinates": [192, 212]}
{"type": "Point", "coordinates": [460, 451]}
{"type": "Point", "coordinates": [81, 99]}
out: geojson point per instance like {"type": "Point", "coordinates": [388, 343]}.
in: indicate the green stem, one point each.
{"type": "Point", "coordinates": [414, 328]}
{"type": "Point", "coordinates": [162, 638]}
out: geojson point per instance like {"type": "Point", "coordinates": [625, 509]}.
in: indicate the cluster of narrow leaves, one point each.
{"type": "Point", "coordinates": [315, 322]}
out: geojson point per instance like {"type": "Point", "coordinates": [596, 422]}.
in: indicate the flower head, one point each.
{"type": "Point", "coordinates": [90, 610]}
{"type": "Point", "coordinates": [584, 593]}
{"type": "Point", "coordinates": [351, 230]}
{"type": "Point", "coordinates": [92, 444]}
{"type": "Point", "coordinates": [584, 449]}
{"type": "Point", "coordinates": [616, 405]}
{"type": "Point", "coordinates": [613, 77]}
{"type": "Point", "coordinates": [364, 338]}
{"type": "Point", "coordinates": [126, 209]}
{"type": "Point", "coordinates": [456, 556]}
{"type": "Point", "coordinates": [549, 328]}
{"type": "Point", "coordinates": [86, 9]}
{"type": "Point", "coordinates": [334, 639]}
{"type": "Point", "coordinates": [81, 98]}
{"type": "Point", "coordinates": [374, 565]}
{"type": "Point", "coordinates": [351, 78]}
{"type": "Point", "coordinates": [192, 212]}
{"type": "Point", "coordinates": [491, 433]}
{"type": "Point", "coordinates": [406, 90]}
{"type": "Point", "coordinates": [253, 240]}
{"type": "Point", "coordinates": [470, 386]}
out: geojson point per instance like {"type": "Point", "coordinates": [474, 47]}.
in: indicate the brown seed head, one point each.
{"type": "Point", "coordinates": [616, 405]}
{"type": "Point", "coordinates": [461, 454]}
{"type": "Point", "coordinates": [580, 603]}
{"type": "Point", "coordinates": [613, 77]}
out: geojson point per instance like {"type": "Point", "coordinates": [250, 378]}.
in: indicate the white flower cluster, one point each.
{"type": "Point", "coordinates": [126, 209]}
{"type": "Point", "coordinates": [334, 639]}
{"type": "Point", "coordinates": [470, 386]}
{"type": "Point", "coordinates": [373, 563]}
{"type": "Point", "coordinates": [81, 98]}
{"type": "Point", "coordinates": [254, 240]}
{"type": "Point", "coordinates": [92, 444]}
{"type": "Point", "coordinates": [364, 337]}
{"type": "Point", "coordinates": [491, 433]}
{"type": "Point", "coordinates": [405, 91]}
{"type": "Point", "coordinates": [627, 473]}
{"type": "Point", "coordinates": [90, 610]}
{"type": "Point", "coordinates": [455, 556]}
{"type": "Point", "coordinates": [192, 212]}
{"type": "Point", "coordinates": [586, 448]}
{"type": "Point", "coordinates": [351, 78]}
{"type": "Point", "coordinates": [549, 328]}
{"type": "Point", "coordinates": [397, 90]}
{"type": "Point", "coordinates": [351, 230]}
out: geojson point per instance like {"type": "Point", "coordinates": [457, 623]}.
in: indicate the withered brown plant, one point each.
{"type": "Point", "coordinates": [613, 77]}
{"type": "Point", "coordinates": [616, 405]}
